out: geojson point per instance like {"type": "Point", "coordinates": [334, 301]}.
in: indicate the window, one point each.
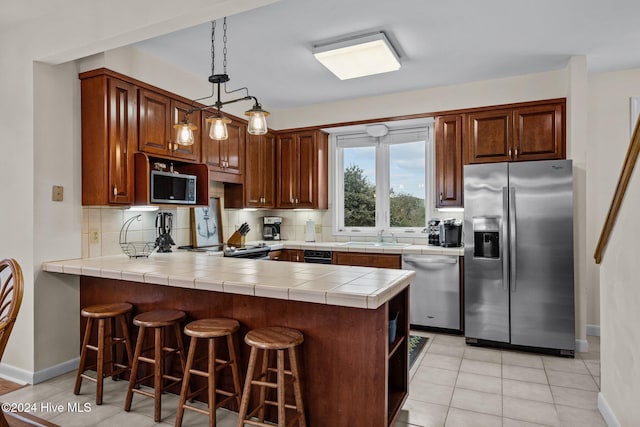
{"type": "Point", "coordinates": [385, 183]}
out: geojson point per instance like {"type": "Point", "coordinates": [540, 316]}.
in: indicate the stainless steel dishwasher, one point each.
{"type": "Point", "coordinates": [435, 293]}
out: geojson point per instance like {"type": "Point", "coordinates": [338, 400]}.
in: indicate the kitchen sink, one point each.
{"type": "Point", "coordinates": [375, 244]}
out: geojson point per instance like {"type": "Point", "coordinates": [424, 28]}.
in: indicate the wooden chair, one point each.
{"type": "Point", "coordinates": [269, 339]}
{"type": "Point", "coordinates": [212, 330]}
{"type": "Point", "coordinates": [11, 290]}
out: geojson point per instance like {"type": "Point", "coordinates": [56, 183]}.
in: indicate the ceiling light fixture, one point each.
{"type": "Point", "coordinates": [358, 56]}
{"type": "Point", "coordinates": [218, 123]}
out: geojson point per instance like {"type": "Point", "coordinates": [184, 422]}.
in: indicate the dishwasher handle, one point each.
{"type": "Point", "coordinates": [449, 260]}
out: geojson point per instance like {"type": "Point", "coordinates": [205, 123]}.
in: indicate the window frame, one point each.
{"type": "Point", "coordinates": [383, 179]}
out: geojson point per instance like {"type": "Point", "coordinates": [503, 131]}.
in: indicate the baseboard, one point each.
{"type": "Point", "coordinates": [582, 346]}
{"type": "Point", "coordinates": [593, 330]}
{"type": "Point", "coordinates": [22, 376]}
{"type": "Point", "coordinates": [606, 412]}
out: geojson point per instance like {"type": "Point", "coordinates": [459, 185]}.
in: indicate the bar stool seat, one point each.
{"type": "Point", "coordinates": [280, 340]}
{"type": "Point", "coordinates": [159, 321]}
{"type": "Point", "coordinates": [106, 315]}
{"type": "Point", "coordinates": [210, 329]}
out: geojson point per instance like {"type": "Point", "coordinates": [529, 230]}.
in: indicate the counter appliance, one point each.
{"type": "Point", "coordinates": [450, 233]}
{"type": "Point", "coordinates": [271, 227]}
{"type": "Point", "coordinates": [518, 253]}
{"type": "Point", "coordinates": [164, 223]}
{"type": "Point", "coordinates": [435, 292]}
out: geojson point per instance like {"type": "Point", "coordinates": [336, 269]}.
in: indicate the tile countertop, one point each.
{"type": "Point", "coordinates": [360, 287]}
{"type": "Point", "coordinates": [342, 247]}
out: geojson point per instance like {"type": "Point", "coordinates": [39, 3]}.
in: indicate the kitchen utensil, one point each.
{"type": "Point", "coordinates": [164, 223]}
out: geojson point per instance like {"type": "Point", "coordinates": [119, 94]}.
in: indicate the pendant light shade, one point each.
{"type": "Point", "coordinates": [184, 132]}
{"type": "Point", "coordinates": [257, 120]}
{"type": "Point", "coordinates": [218, 127]}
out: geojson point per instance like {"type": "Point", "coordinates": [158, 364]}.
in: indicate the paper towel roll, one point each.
{"type": "Point", "coordinates": [310, 234]}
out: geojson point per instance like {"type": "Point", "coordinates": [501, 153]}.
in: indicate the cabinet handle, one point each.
{"type": "Point", "coordinates": [510, 156]}
{"type": "Point", "coordinates": [441, 197]}
{"type": "Point", "coordinates": [516, 152]}
{"type": "Point", "coordinates": [115, 190]}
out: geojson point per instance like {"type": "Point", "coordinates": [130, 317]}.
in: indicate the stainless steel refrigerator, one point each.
{"type": "Point", "coordinates": [518, 254]}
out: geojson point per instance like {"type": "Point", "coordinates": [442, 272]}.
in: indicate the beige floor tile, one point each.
{"type": "Point", "coordinates": [522, 359]}
{"type": "Point", "coordinates": [126, 419]}
{"type": "Point", "coordinates": [449, 350]}
{"type": "Point", "coordinates": [487, 403]}
{"type": "Point", "coordinates": [450, 340]}
{"type": "Point", "coordinates": [431, 393]}
{"type": "Point", "coordinates": [526, 390]}
{"type": "Point", "coordinates": [568, 379]}
{"type": "Point", "coordinates": [441, 361]}
{"type": "Point", "coordinates": [508, 422]}
{"type": "Point", "coordinates": [481, 354]}
{"type": "Point", "coordinates": [521, 373]}
{"type": "Point", "coordinates": [484, 383]}
{"type": "Point", "coordinates": [431, 375]}
{"type": "Point", "coordinates": [576, 417]}
{"type": "Point", "coordinates": [531, 411]}
{"type": "Point", "coordinates": [461, 418]}
{"type": "Point", "coordinates": [593, 367]}
{"type": "Point", "coordinates": [481, 368]}
{"type": "Point", "coordinates": [97, 414]}
{"type": "Point", "coordinates": [576, 398]}
{"type": "Point", "coordinates": [575, 366]}
{"type": "Point", "coordinates": [590, 355]}
{"type": "Point", "coordinates": [423, 414]}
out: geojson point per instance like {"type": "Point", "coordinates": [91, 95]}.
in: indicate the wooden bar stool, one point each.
{"type": "Point", "coordinates": [266, 339]}
{"type": "Point", "coordinates": [210, 329]}
{"type": "Point", "coordinates": [106, 314]}
{"type": "Point", "coordinates": [159, 320]}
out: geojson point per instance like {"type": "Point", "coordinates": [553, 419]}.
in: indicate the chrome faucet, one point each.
{"type": "Point", "coordinates": [380, 235]}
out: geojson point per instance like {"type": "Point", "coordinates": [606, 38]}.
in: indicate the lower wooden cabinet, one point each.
{"type": "Point", "coordinates": [363, 259]}
{"type": "Point", "coordinates": [291, 255]}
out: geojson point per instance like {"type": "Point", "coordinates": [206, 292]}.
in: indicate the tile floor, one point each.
{"type": "Point", "coordinates": [452, 385]}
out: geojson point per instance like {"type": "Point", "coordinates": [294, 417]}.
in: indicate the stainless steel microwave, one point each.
{"type": "Point", "coordinates": [176, 188]}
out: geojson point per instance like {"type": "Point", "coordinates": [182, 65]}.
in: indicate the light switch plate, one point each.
{"type": "Point", "coordinates": [57, 193]}
{"type": "Point", "coordinates": [318, 228]}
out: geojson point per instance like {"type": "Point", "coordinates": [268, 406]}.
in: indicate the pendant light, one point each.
{"type": "Point", "coordinates": [218, 122]}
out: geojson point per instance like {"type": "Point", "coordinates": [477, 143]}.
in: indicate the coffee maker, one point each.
{"type": "Point", "coordinates": [451, 233]}
{"type": "Point", "coordinates": [164, 222]}
{"type": "Point", "coordinates": [271, 227]}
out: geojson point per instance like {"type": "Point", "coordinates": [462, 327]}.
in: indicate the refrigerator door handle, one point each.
{"type": "Point", "coordinates": [504, 245]}
{"type": "Point", "coordinates": [512, 232]}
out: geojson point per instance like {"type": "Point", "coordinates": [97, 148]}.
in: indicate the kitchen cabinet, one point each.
{"type": "Point", "coordinates": [448, 147]}
{"type": "Point", "coordinates": [292, 255]}
{"type": "Point", "coordinates": [302, 180]}
{"type": "Point", "coordinates": [157, 115]}
{"type": "Point", "coordinates": [225, 159]}
{"type": "Point", "coordinates": [363, 259]}
{"type": "Point", "coordinates": [522, 132]}
{"type": "Point", "coordinates": [259, 180]}
{"type": "Point", "coordinates": [109, 139]}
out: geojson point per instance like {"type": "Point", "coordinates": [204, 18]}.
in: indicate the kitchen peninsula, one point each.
{"type": "Point", "coordinates": [352, 375]}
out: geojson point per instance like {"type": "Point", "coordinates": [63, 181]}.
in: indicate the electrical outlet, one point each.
{"type": "Point", "coordinates": [318, 228]}
{"type": "Point", "coordinates": [94, 236]}
{"type": "Point", "coordinates": [57, 193]}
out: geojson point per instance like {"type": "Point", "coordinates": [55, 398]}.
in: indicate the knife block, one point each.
{"type": "Point", "coordinates": [236, 239]}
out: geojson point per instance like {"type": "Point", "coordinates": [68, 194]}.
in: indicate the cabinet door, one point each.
{"type": "Point", "coordinates": [448, 145]}
{"type": "Point", "coordinates": [224, 158]}
{"type": "Point", "coordinates": [367, 260]}
{"type": "Point", "coordinates": [122, 140]}
{"type": "Point", "coordinates": [253, 179]}
{"type": "Point", "coordinates": [269, 170]}
{"type": "Point", "coordinates": [154, 116]}
{"type": "Point", "coordinates": [489, 136]}
{"type": "Point", "coordinates": [233, 148]}
{"type": "Point", "coordinates": [184, 152]}
{"type": "Point", "coordinates": [539, 132]}
{"type": "Point", "coordinates": [305, 186]}
{"type": "Point", "coordinates": [288, 166]}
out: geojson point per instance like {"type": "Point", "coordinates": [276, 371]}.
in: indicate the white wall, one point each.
{"type": "Point", "coordinates": [29, 228]}
{"type": "Point", "coordinates": [609, 135]}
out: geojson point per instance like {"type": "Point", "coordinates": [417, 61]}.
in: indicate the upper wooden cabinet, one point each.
{"type": "Point", "coordinates": [530, 131]}
{"type": "Point", "coordinates": [225, 159]}
{"type": "Point", "coordinates": [259, 180]}
{"type": "Point", "coordinates": [157, 115]}
{"type": "Point", "coordinates": [302, 170]}
{"type": "Point", "coordinates": [448, 145]}
{"type": "Point", "coordinates": [109, 139]}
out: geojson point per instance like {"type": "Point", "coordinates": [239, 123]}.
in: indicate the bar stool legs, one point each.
{"type": "Point", "coordinates": [268, 339]}
{"type": "Point", "coordinates": [107, 339]}
{"type": "Point", "coordinates": [158, 320]}
{"type": "Point", "coordinates": [211, 330]}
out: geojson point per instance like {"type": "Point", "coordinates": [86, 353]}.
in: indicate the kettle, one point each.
{"type": "Point", "coordinates": [164, 223]}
